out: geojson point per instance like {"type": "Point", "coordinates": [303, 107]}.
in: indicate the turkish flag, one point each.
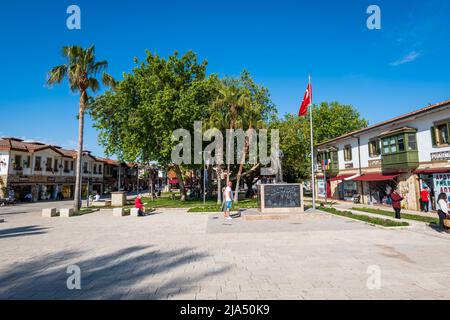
{"type": "Point", "coordinates": [307, 100]}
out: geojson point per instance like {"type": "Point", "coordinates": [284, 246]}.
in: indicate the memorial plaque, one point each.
{"type": "Point", "coordinates": [280, 198]}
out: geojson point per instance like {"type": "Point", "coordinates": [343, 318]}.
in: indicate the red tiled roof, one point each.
{"type": "Point", "coordinates": [17, 144]}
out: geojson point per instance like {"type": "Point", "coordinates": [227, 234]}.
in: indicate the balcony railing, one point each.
{"type": "Point", "coordinates": [399, 161]}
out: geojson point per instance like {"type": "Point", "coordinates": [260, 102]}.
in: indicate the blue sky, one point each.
{"type": "Point", "coordinates": [383, 73]}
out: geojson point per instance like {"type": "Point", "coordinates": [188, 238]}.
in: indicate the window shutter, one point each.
{"type": "Point", "coordinates": [433, 135]}
{"type": "Point", "coordinates": [448, 131]}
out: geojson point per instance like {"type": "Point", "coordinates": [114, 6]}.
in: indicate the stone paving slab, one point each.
{"type": "Point", "coordinates": [176, 255]}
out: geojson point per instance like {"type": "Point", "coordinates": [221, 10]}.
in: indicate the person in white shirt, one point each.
{"type": "Point", "coordinates": [228, 198]}
{"type": "Point", "coordinates": [443, 213]}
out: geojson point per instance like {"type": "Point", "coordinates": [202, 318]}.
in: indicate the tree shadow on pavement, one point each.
{"type": "Point", "coordinates": [138, 272]}
{"type": "Point", "coordinates": [21, 231]}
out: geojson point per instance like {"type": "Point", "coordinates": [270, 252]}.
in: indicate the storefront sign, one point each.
{"type": "Point", "coordinates": [441, 184]}
{"type": "Point", "coordinates": [51, 179]}
{"type": "Point", "coordinates": [375, 163]}
{"type": "Point", "coordinates": [321, 187]}
{"type": "Point", "coordinates": [440, 156]}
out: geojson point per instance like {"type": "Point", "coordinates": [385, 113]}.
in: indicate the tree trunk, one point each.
{"type": "Point", "coordinates": [209, 181]}
{"type": "Point", "coordinates": [78, 178]}
{"type": "Point", "coordinates": [219, 186]}
{"type": "Point", "coordinates": [180, 182]}
{"type": "Point", "coordinates": [241, 165]}
{"type": "Point", "coordinates": [150, 187]}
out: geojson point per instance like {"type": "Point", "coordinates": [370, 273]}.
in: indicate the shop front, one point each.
{"type": "Point", "coordinates": [343, 188]}
{"type": "Point", "coordinates": [437, 180]}
{"type": "Point", "coordinates": [376, 187]}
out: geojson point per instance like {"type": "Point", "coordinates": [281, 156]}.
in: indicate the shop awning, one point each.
{"type": "Point", "coordinates": [175, 181]}
{"type": "Point", "coordinates": [375, 177]}
{"type": "Point", "coordinates": [432, 170]}
{"type": "Point", "coordinates": [341, 177]}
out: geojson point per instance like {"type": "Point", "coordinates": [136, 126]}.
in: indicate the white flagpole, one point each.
{"type": "Point", "coordinates": [313, 179]}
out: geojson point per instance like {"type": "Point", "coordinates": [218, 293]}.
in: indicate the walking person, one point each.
{"type": "Point", "coordinates": [397, 203]}
{"type": "Point", "coordinates": [228, 199]}
{"type": "Point", "coordinates": [425, 198]}
{"type": "Point", "coordinates": [443, 213]}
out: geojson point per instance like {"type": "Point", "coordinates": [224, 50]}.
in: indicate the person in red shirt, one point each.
{"type": "Point", "coordinates": [139, 205]}
{"type": "Point", "coordinates": [425, 197]}
{"type": "Point", "coordinates": [397, 203]}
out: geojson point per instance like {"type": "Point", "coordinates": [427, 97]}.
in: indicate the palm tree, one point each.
{"type": "Point", "coordinates": [80, 69]}
{"type": "Point", "coordinates": [228, 108]}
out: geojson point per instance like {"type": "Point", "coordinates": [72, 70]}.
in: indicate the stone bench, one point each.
{"type": "Point", "coordinates": [49, 212]}
{"type": "Point", "coordinates": [118, 212]}
{"type": "Point", "coordinates": [134, 212]}
{"type": "Point", "coordinates": [66, 213]}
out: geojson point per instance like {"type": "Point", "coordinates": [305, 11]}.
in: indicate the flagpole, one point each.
{"type": "Point", "coordinates": [313, 179]}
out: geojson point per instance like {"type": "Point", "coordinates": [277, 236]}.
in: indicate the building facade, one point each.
{"type": "Point", "coordinates": [48, 172]}
{"type": "Point", "coordinates": [410, 152]}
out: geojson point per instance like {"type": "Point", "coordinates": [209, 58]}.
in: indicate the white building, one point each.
{"type": "Point", "coordinates": [408, 151]}
{"type": "Point", "coordinates": [45, 171]}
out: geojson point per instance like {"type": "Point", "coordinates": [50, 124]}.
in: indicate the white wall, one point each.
{"type": "Point", "coordinates": [422, 123]}
{"type": "Point", "coordinates": [4, 158]}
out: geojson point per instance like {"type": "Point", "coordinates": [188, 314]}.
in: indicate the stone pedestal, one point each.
{"type": "Point", "coordinates": [281, 198]}
{"type": "Point", "coordinates": [118, 199]}
{"type": "Point", "coordinates": [118, 212]}
{"type": "Point", "coordinates": [49, 212]}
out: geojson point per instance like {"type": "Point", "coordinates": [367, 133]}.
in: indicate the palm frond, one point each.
{"type": "Point", "coordinates": [57, 74]}
{"type": "Point", "coordinates": [108, 80]}
{"type": "Point", "coordinates": [94, 84]}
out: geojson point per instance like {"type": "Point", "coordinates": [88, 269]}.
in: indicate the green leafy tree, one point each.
{"type": "Point", "coordinates": [331, 120]}
{"type": "Point", "coordinates": [80, 69]}
{"type": "Point", "coordinates": [160, 95]}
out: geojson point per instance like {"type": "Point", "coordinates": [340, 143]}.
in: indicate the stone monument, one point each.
{"type": "Point", "coordinates": [280, 198]}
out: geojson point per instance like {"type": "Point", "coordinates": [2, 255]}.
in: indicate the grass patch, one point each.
{"type": "Point", "coordinates": [404, 215]}
{"type": "Point", "coordinates": [242, 204]}
{"type": "Point", "coordinates": [371, 220]}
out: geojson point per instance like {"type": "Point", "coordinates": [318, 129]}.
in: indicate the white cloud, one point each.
{"type": "Point", "coordinates": [410, 57]}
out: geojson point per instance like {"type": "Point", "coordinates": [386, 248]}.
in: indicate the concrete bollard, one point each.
{"type": "Point", "coordinates": [118, 212]}
{"type": "Point", "coordinates": [134, 212]}
{"type": "Point", "coordinates": [49, 212]}
{"type": "Point", "coordinates": [66, 213]}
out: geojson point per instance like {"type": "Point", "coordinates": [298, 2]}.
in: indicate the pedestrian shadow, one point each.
{"type": "Point", "coordinates": [435, 227]}
{"type": "Point", "coordinates": [21, 231]}
{"type": "Point", "coordinates": [109, 276]}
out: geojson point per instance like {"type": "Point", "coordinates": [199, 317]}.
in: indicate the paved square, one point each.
{"type": "Point", "coordinates": [175, 255]}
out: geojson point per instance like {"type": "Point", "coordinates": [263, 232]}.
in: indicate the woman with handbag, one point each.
{"type": "Point", "coordinates": [397, 203]}
{"type": "Point", "coordinates": [443, 213]}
